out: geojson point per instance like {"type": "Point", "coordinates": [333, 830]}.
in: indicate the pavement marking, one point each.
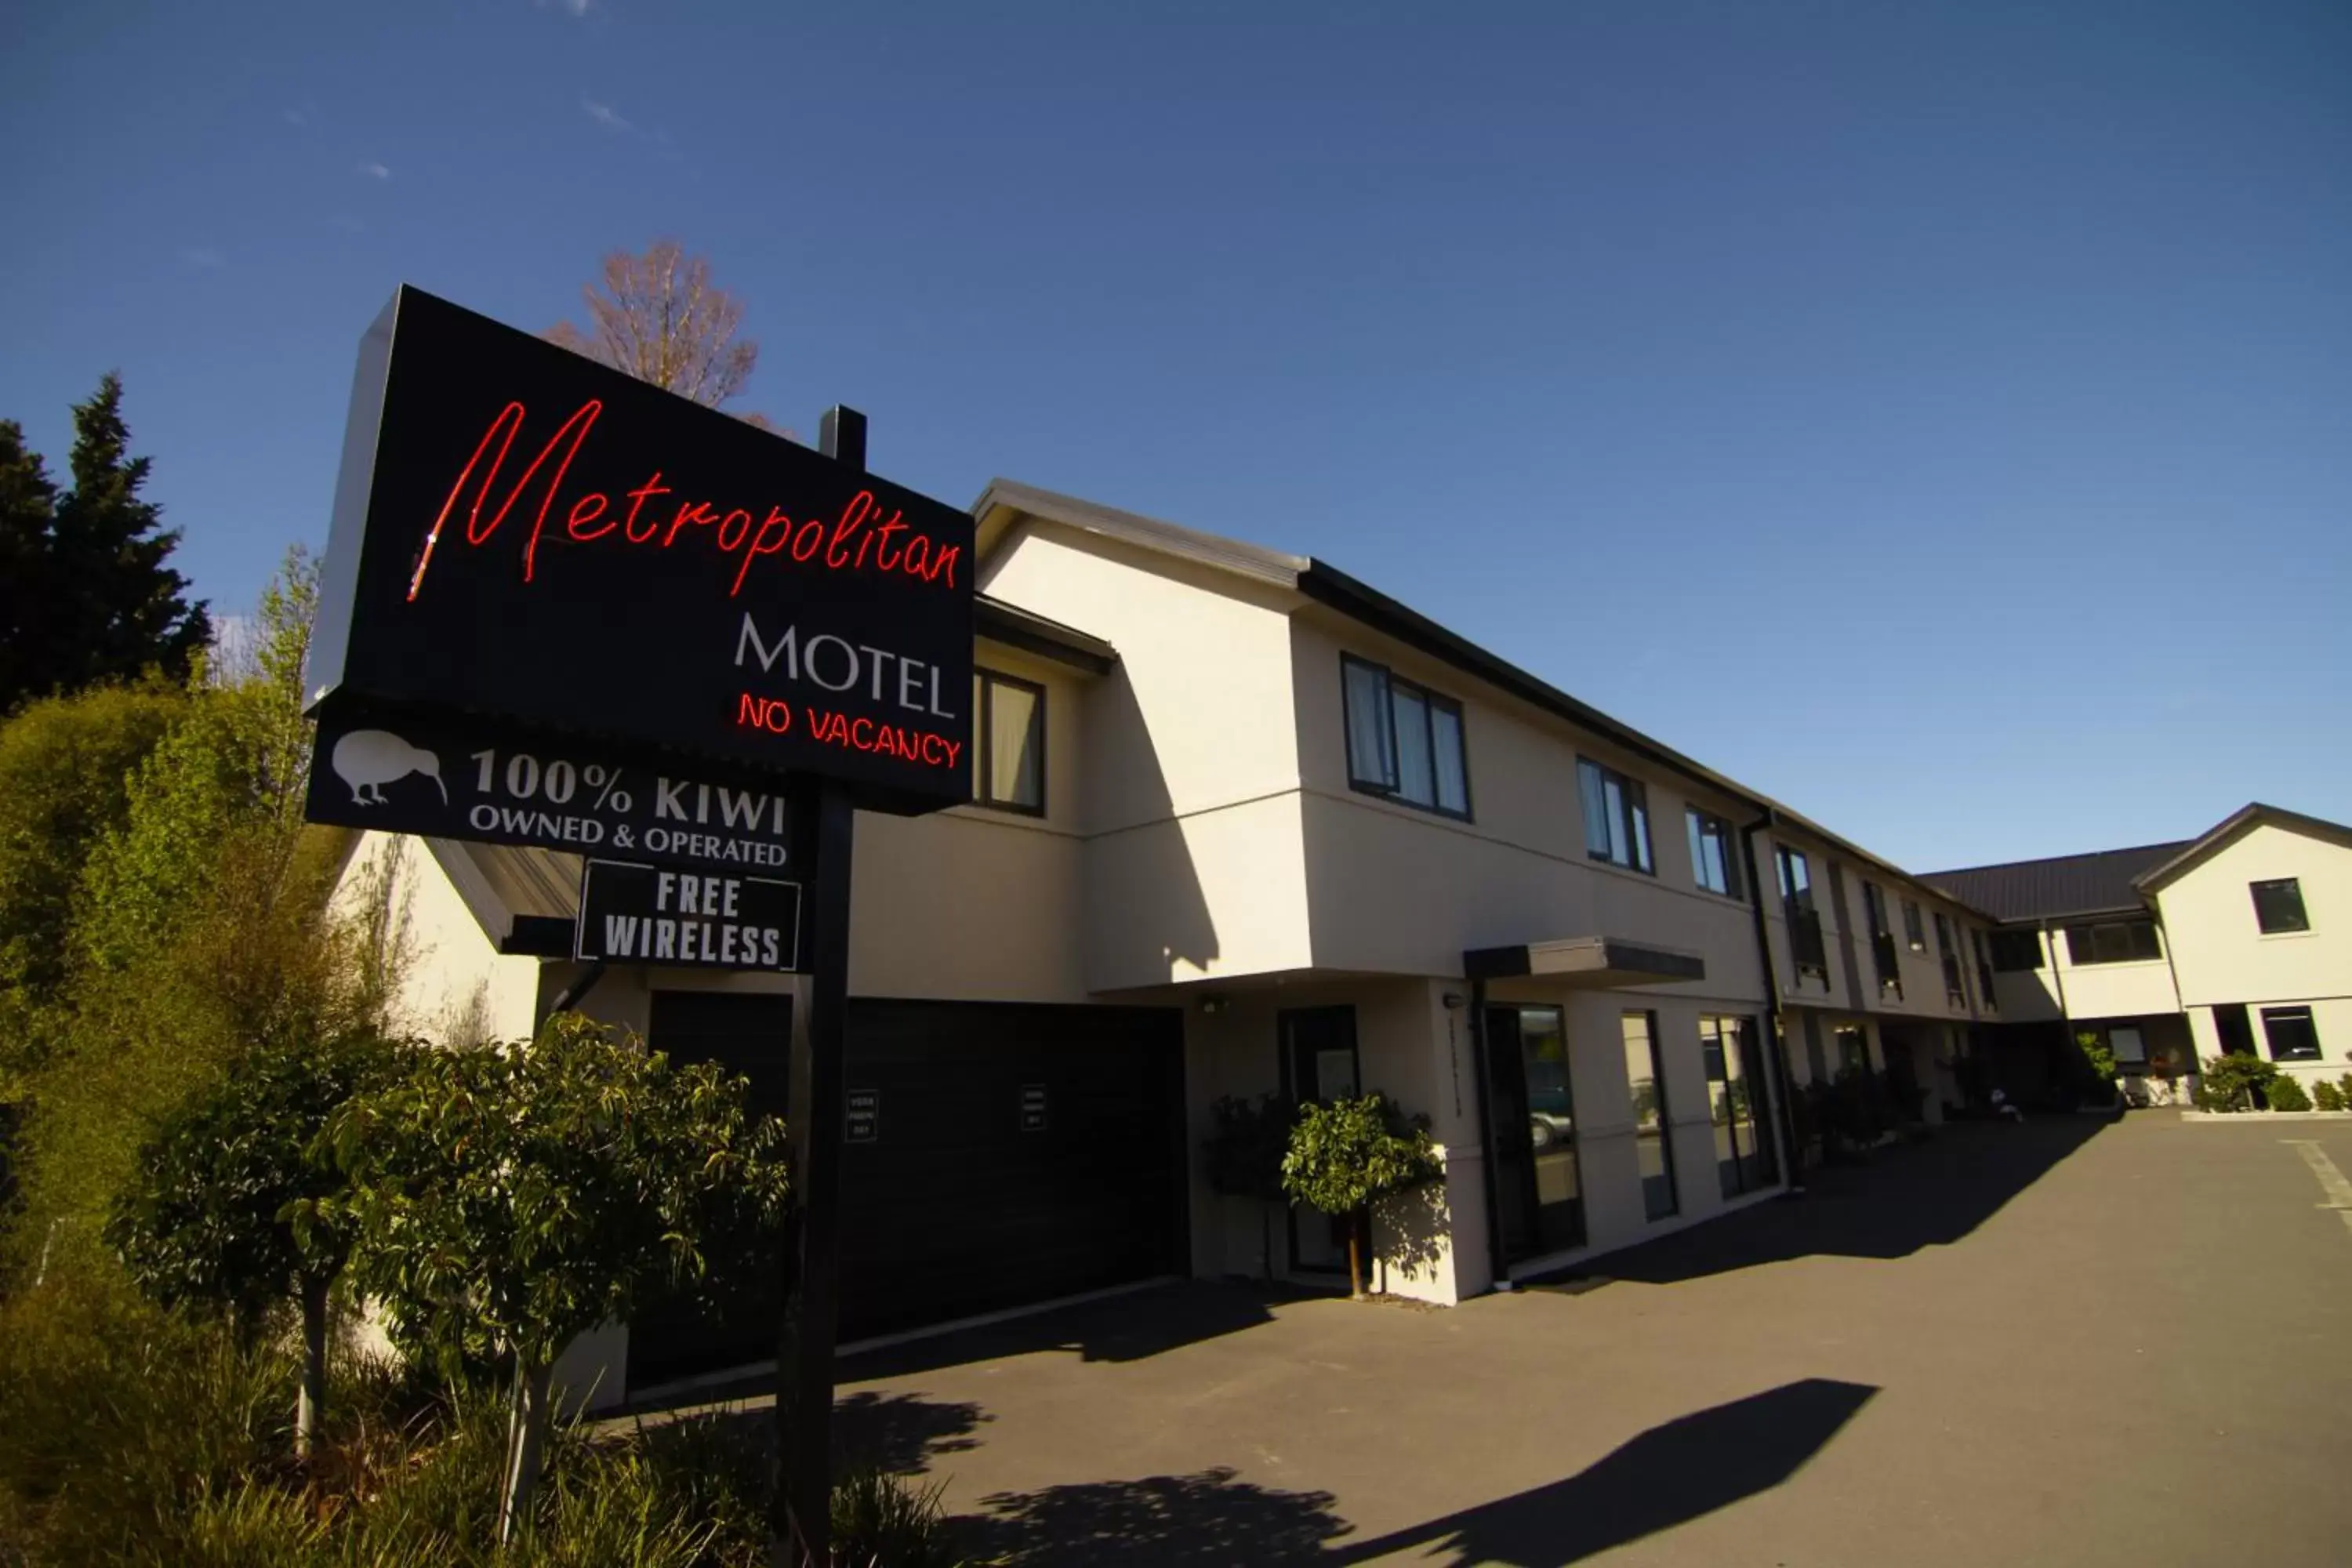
{"type": "Point", "coordinates": [2331, 1180]}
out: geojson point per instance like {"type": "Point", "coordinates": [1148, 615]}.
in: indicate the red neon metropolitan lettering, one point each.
{"type": "Point", "coordinates": [860, 539]}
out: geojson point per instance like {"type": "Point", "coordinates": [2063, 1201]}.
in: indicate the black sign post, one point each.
{"type": "Point", "coordinates": [805, 1336]}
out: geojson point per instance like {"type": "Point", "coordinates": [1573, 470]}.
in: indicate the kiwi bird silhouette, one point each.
{"type": "Point", "coordinates": [367, 760]}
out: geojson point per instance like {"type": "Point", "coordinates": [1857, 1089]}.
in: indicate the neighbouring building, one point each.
{"type": "Point", "coordinates": [1242, 824]}
{"type": "Point", "coordinates": [2239, 940]}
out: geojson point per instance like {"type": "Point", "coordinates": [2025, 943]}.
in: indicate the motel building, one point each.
{"type": "Point", "coordinates": [1241, 825]}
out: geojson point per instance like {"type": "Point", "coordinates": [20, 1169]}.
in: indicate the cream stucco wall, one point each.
{"type": "Point", "coordinates": [450, 981]}
{"type": "Point", "coordinates": [2219, 952]}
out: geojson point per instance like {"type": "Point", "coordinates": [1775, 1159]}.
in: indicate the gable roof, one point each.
{"type": "Point", "coordinates": [2228, 828]}
{"type": "Point", "coordinates": [1327, 584]}
{"type": "Point", "coordinates": [2058, 888]}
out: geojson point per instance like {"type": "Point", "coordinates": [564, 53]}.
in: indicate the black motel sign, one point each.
{"type": "Point", "coordinates": [523, 537]}
{"type": "Point", "coordinates": [687, 919]}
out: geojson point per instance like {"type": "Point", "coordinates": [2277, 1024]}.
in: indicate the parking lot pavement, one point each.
{"type": "Point", "coordinates": [2063, 1342]}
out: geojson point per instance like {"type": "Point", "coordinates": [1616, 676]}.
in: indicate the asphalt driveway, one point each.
{"type": "Point", "coordinates": [2063, 1342]}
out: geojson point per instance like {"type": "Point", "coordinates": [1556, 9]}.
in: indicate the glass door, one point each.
{"type": "Point", "coordinates": [1319, 1066]}
{"type": "Point", "coordinates": [1539, 1185]}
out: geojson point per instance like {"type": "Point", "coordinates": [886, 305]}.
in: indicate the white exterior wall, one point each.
{"type": "Point", "coordinates": [450, 981]}
{"type": "Point", "coordinates": [2222, 956]}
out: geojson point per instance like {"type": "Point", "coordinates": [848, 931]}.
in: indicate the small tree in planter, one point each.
{"type": "Point", "coordinates": [1246, 1142]}
{"type": "Point", "coordinates": [2327, 1096]}
{"type": "Point", "coordinates": [1349, 1155]}
{"type": "Point", "coordinates": [2285, 1093]}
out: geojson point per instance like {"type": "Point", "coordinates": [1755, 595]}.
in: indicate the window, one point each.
{"type": "Point", "coordinates": [1984, 969]}
{"type": "Point", "coordinates": [1645, 1078]}
{"type": "Point", "coordinates": [1805, 944]}
{"type": "Point", "coordinates": [1616, 816]}
{"type": "Point", "coordinates": [1404, 741]}
{"type": "Point", "coordinates": [1737, 1104]}
{"type": "Point", "coordinates": [2291, 1035]}
{"type": "Point", "coordinates": [2112, 942]}
{"type": "Point", "coordinates": [2013, 950]}
{"type": "Point", "coordinates": [1884, 959]}
{"type": "Point", "coordinates": [1008, 749]}
{"type": "Point", "coordinates": [1853, 1049]}
{"type": "Point", "coordinates": [1954, 993]}
{"type": "Point", "coordinates": [1714, 854]}
{"type": "Point", "coordinates": [1913, 931]}
{"type": "Point", "coordinates": [2278, 906]}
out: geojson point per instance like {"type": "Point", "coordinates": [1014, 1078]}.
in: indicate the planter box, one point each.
{"type": "Point", "coordinates": [2266, 1116]}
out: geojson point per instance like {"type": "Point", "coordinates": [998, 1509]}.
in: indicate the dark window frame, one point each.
{"type": "Point", "coordinates": [1982, 950]}
{"type": "Point", "coordinates": [1662, 1109]}
{"type": "Point", "coordinates": [983, 740]}
{"type": "Point", "coordinates": [2282, 891]}
{"type": "Point", "coordinates": [1391, 787]}
{"type": "Point", "coordinates": [2016, 951]}
{"type": "Point", "coordinates": [1808, 952]}
{"type": "Point", "coordinates": [1698, 826]}
{"type": "Point", "coordinates": [1914, 932]}
{"type": "Point", "coordinates": [1639, 833]}
{"type": "Point", "coordinates": [1884, 959]}
{"type": "Point", "coordinates": [1955, 990]}
{"type": "Point", "coordinates": [2307, 1052]}
{"type": "Point", "coordinates": [2084, 941]}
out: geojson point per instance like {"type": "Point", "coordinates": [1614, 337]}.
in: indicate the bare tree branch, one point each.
{"type": "Point", "coordinates": [659, 317]}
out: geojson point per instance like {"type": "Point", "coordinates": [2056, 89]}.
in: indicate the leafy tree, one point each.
{"type": "Point", "coordinates": [239, 1205]}
{"type": "Point", "coordinates": [2285, 1092]}
{"type": "Point", "coordinates": [92, 598]}
{"type": "Point", "coordinates": [659, 317]}
{"type": "Point", "coordinates": [2097, 1057]}
{"type": "Point", "coordinates": [510, 1197]}
{"type": "Point", "coordinates": [1347, 1154]}
{"type": "Point", "coordinates": [65, 768]}
{"type": "Point", "coordinates": [1246, 1142]}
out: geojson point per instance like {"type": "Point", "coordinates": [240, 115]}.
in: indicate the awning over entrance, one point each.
{"type": "Point", "coordinates": [1595, 960]}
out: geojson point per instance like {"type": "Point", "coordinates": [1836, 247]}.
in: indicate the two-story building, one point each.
{"type": "Point", "coordinates": [1242, 824]}
{"type": "Point", "coordinates": [2169, 955]}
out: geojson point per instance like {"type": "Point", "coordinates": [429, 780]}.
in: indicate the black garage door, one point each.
{"type": "Point", "coordinates": [1017, 1153]}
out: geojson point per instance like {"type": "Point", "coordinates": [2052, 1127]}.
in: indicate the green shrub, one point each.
{"type": "Point", "coordinates": [1349, 1155]}
{"type": "Point", "coordinates": [2285, 1093]}
{"type": "Point", "coordinates": [2227, 1082]}
{"type": "Point", "coordinates": [2327, 1096]}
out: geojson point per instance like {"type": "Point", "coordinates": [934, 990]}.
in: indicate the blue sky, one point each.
{"type": "Point", "coordinates": [1939, 417]}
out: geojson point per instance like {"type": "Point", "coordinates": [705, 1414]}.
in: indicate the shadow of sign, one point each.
{"type": "Point", "coordinates": [1668, 1475]}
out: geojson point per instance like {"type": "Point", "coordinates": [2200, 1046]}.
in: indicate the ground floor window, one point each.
{"type": "Point", "coordinates": [1653, 1146]}
{"type": "Point", "coordinates": [1739, 1104]}
{"type": "Point", "coordinates": [2291, 1034]}
{"type": "Point", "coordinates": [1853, 1049]}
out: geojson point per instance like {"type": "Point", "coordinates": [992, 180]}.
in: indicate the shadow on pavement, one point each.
{"type": "Point", "coordinates": [1905, 1198]}
{"type": "Point", "coordinates": [1669, 1474]}
{"type": "Point", "coordinates": [1127, 1327]}
{"type": "Point", "coordinates": [900, 1433]}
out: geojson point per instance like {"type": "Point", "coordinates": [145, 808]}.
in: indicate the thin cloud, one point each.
{"type": "Point", "coordinates": [575, 9]}
{"type": "Point", "coordinates": [204, 256]}
{"type": "Point", "coordinates": [373, 170]}
{"type": "Point", "coordinates": [605, 115]}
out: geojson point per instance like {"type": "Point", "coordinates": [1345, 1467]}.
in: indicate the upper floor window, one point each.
{"type": "Point", "coordinates": [2112, 942]}
{"type": "Point", "coordinates": [1714, 854]}
{"type": "Point", "coordinates": [1616, 816]}
{"type": "Point", "coordinates": [2291, 1035]}
{"type": "Point", "coordinates": [1883, 957]}
{"type": "Point", "coordinates": [1955, 992]}
{"type": "Point", "coordinates": [1008, 742]}
{"type": "Point", "coordinates": [2015, 950]}
{"type": "Point", "coordinates": [1404, 741]}
{"type": "Point", "coordinates": [1913, 931]}
{"type": "Point", "coordinates": [1984, 969]}
{"type": "Point", "coordinates": [2278, 906]}
{"type": "Point", "coordinates": [1805, 944]}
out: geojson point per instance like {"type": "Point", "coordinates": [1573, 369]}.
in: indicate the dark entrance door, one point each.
{"type": "Point", "coordinates": [2237, 1031]}
{"type": "Point", "coordinates": [1320, 1065]}
{"type": "Point", "coordinates": [1539, 1185]}
{"type": "Point", "coordinates": [998, 1155]}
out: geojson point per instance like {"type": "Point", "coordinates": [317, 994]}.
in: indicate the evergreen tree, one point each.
{"type": "Point", "coordinates": [115, 606]}
{"type": "Point", "coordinates": [28, 511]}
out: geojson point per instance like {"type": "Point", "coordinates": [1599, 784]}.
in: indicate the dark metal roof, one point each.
{"type": "Point", "coordinates": [2063, 886]}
